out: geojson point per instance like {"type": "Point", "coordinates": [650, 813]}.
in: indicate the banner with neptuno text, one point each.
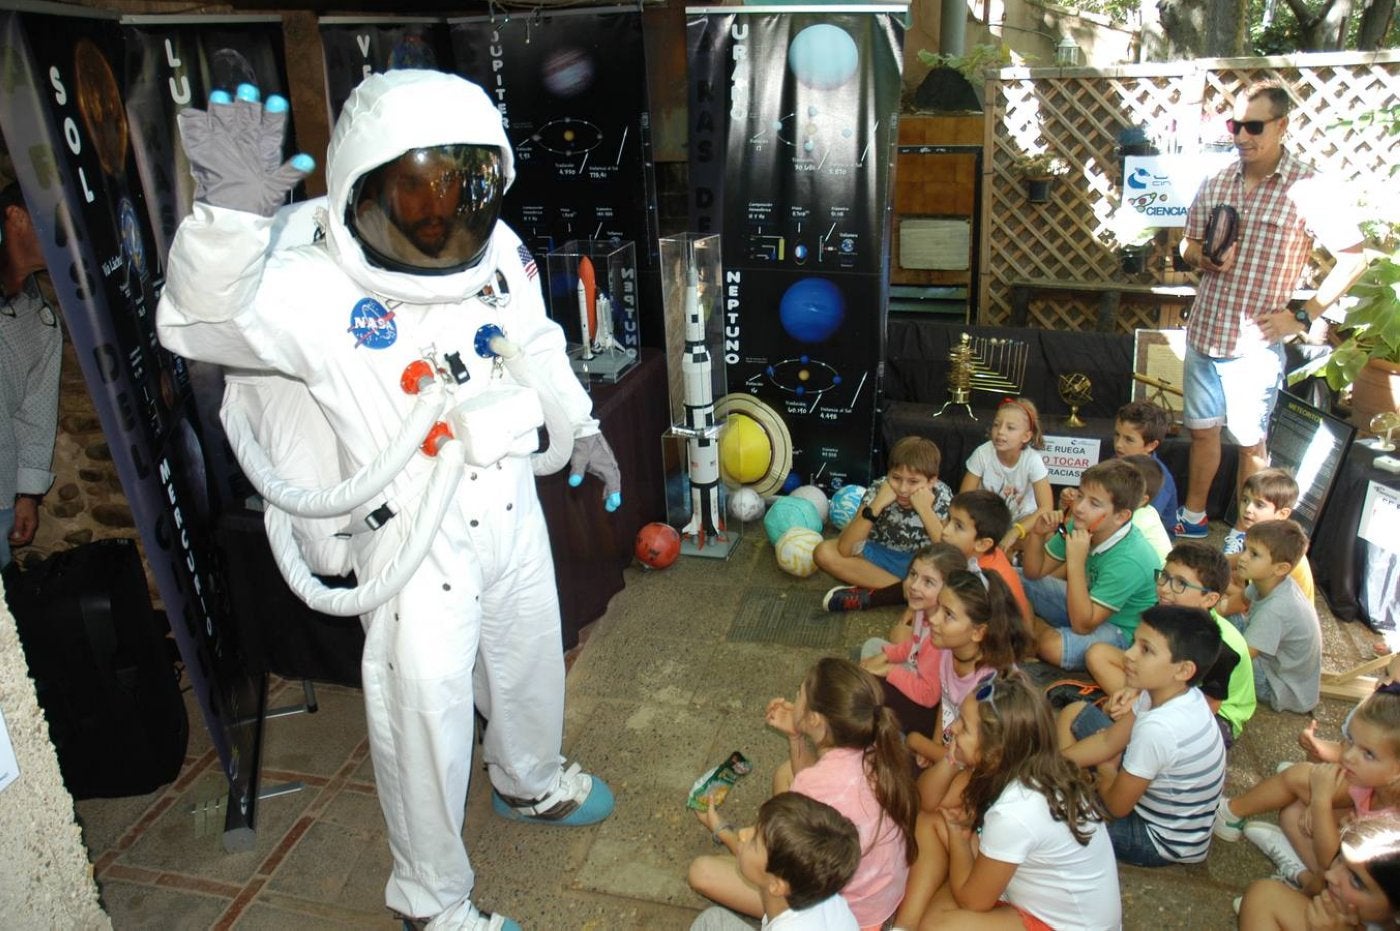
{"type": "Point", "coordinates": [87, 111]}
{"type": "Point", "coordinates": [793, 121]}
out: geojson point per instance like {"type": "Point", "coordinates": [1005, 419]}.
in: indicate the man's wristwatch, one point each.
{"type": "Point", "coordinates": [1303, 317]}
{"type": "Point", "coordinates": [868, 514]}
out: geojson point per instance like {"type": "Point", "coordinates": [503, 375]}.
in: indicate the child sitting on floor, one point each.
{"type": "Point", "coordinates": [1009, 464]}
{"type": "Point", "coordinates": [1307, 795]}
{"type": "Point", "coordinates": [1108, 568]}
{"type": "Point", "coordinates": [1283, 632]}
{"type": "Point", "coordinates": [899, 514]}
{"type": "Point", "coordinates": [1163, 794]}
{"type": "Point", "coordinates": [1139, 429]}
{"type": "Point", "coordinates": [799, 855]}
{"type": "Point", "coordinates": [1269, 494]}
{"type": "Point", "coordinates": [1363, 886]}
{"type": "Point", "coordinates": [844, 749]}
{"type": "Point", "coordinates": [1042, 856]}
{"type": "Point", "coordinates": [908, 661]}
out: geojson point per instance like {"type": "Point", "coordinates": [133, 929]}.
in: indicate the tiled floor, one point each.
{"type": "Point", "coordinates": [660, 692]}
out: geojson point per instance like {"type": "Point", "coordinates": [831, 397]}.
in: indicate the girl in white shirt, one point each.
{"type": "Point", "coordinates": [1041, 857]}
{"type": "Point", "coordinates": [1010, 465]}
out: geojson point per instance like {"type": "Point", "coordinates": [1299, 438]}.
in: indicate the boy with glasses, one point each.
{"type": "Point", "coordinates": [1241, 315]}
{"type": "Point", "coordinates": [1195, 576]}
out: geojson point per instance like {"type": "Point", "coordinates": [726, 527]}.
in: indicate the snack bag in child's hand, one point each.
{"type": "Point", "coordinates": [713, 786]}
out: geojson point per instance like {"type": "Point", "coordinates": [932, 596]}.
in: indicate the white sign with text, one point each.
{"type": "Point", "coordinates": [1068, 456]}
{"type": "Point", "coordinates": [1161, 187]}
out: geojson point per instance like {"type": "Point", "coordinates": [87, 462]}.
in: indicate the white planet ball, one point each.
{"type": "Point", "coordinates": [815, 495]}
{"type": "Point", "coordinates": [844, 504]}
{"type": "Point", "coordinates": [745, 504]}
{"type": "Point", "coordinates": [794, 550]}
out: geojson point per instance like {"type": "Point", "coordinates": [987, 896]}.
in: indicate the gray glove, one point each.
{"type": "Point", "coordinates": [593, 454]}
{"type": "Point", "coordinates": [235, 152]}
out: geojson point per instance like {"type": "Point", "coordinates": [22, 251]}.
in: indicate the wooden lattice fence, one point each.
{"type": "Point", "coordinates": [1078, 113]}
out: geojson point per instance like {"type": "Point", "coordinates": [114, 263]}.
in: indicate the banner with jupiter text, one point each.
{"type": "Point", "coordinates": [793, 121]}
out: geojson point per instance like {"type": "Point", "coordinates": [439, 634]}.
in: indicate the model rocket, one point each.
{"type": "Point", "coordinates": [706, 519]}
{"type": "Point", "coordinates": [587, 306]}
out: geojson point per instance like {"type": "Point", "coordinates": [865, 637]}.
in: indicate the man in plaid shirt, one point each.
{"type": "Point", "coordinates": [1234, 336]}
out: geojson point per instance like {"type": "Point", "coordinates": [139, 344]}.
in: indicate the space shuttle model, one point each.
{"type": "Point", "coordinates": [706, 523]}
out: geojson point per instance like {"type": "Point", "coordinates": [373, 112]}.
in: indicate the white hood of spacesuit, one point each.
{"type": "Point", "coordinates": [386, 115]}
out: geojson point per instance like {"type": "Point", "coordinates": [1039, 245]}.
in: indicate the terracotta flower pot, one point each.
{"type": "Point", "coordinates": [1376, 389]}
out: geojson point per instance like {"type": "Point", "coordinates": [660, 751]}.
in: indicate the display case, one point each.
{"type": "Point", "coordinates": [592, 290]}
{"type": "Point", "coordinates": [692, 296]}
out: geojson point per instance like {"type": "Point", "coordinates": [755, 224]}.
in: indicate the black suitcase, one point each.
{"type": "Point", "coordinates": [103, 671]}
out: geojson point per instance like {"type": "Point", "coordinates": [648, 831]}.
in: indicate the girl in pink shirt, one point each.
{"type": "Point", "coordinates": [844, 749]}
{"type": "Point", "coordinates": [909, 661]}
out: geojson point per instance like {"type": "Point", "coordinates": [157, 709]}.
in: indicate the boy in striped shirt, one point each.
{"type": "Point", "coordinates": [1160, 760]}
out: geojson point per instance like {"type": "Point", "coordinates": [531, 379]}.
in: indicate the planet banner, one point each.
{"type": "Point", "coordinates": [793, 122]}
{"type": "Point", "coordinates": [81, 153]}
{"type": "Point", "coordinates": [356, 48]}
{"type": "Point", "coordinates": [571, 88]}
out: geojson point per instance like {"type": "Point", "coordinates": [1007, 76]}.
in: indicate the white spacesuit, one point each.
{"type": "Point", "coordinates": [347, 318]}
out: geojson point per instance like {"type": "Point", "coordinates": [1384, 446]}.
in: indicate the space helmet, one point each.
{"type": "Point", "coordinates": [430, 211]}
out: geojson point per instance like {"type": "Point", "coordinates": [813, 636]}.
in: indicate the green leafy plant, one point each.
{"type": "Point", "coordinates": [972, 65]}
{"type": "Point", "coordinates": [1370, 327]}
{"type": "Point", "coordinates": [1037, 166]}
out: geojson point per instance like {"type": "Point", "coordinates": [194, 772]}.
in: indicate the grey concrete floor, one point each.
{"type": "Point", "coordinates": [662, 688]}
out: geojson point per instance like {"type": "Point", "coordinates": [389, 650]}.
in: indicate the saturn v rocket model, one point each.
{"type": "Point", "coordinates": [706, 523]}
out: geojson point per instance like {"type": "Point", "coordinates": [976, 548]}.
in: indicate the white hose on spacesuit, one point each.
{"type": "Point", "coordinates": [559, 427]}
{"type": "Point", "coordinates": [370, 594]}
{"type": "Point", "coordinates": [359, 488]}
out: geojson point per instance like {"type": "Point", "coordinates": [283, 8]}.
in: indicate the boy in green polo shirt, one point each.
{"type": "Point", "coordinates": [1196, 576]}
{"type": "Point", "coordinates": [1109, 566]}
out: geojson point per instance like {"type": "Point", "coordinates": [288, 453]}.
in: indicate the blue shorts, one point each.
{"type": "Point", "coordinates": [1236, 393]}
{"type": "Point", "coordinates": [1132, 843]}
{"type": "Point", "coordinates": [1049, 600]}
{"type": "Point", "coordinates": [895, 562]}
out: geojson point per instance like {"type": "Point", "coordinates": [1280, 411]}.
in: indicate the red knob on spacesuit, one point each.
{"type": "Point", "coordinates": [414, 374]}
{"type": "Point", "coordinates": [439, 434]}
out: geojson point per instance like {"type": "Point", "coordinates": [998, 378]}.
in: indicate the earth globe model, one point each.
{"type": "Point", "coordinates": [1075, 390]}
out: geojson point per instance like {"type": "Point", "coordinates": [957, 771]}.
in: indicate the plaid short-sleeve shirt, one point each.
{"type": "Point", "coordinates": [1278, 222]}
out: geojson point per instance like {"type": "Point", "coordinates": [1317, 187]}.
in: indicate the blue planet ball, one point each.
{"type": "Point", "coordinates": [786, 513]}
{"type": "Point", "coordinates": [823, 57]}
{"type": "Point", "coordinates": [792, 481]}
{"type": "Point", "coordinates": [844, 504]}
{"type": "Point", "coordinates": [812, 309]}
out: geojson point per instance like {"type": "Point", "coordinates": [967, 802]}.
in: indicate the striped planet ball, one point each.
{"type": "Point", "coordinates": [795, 548]}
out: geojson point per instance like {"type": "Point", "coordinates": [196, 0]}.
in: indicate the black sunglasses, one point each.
{"type": "Point", "coordinates": [1253, 127]}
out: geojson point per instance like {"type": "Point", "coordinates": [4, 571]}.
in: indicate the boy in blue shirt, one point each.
{"type": "Point", "coordinates": [1140, 427]}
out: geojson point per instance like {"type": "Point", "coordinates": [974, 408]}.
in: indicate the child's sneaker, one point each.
{"type": "Point", "coordinates": [1191, 530]}
{"type": "Point", "coordinates": [1234, 542]}
{"type": "Point", "coordinates": [579, 799]}
{"type": "Point", "coordinates": [1227, 826]}
{"type": "Point", "coordinates": [1064, 692]}
{"type": "Point", "coordinates": [463, 916]}
{"type": "Point", "coordinates": [847, 598]}
{"type": "Point", "coordinates": [1273, 843]}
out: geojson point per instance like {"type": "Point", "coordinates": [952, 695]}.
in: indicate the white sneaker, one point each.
{"type": "Point", "coordinates": [1227, 825]}
{"type": "Point", "coordinates": [1274, 844]}
{"type": "Point", "coordinates": [1285, 766]}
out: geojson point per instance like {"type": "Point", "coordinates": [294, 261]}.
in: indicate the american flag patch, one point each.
{"type": "Point", "coordinates": [528, 262]}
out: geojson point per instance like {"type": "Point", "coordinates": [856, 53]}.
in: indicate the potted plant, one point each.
{"type": "Point", "coordinates": [1366, 351]}
{"type": "Point", "coordinates": [1133, 236]}
{"type": "Point", "coordinates": [1039, 170]}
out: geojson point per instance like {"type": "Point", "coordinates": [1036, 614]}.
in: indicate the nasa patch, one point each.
{"type": "Point", "coordinates": [372, 325]}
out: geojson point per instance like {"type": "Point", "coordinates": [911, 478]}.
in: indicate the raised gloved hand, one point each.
{"type": "Point", "coordinates": [235, 152]}
{"type": "Point", "coordinates": [593, 454]}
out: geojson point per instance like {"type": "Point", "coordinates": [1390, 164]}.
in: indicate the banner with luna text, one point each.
{"type": "Point", "coordinates": [793, 115]}
{"type": "Point", "coordinates": [87, 111]}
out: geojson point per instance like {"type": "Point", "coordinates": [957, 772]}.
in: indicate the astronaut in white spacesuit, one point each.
{"type": "Point", "coordinates": [416, 300]}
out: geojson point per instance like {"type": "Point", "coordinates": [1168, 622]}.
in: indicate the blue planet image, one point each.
{"type": "Point", "coordinates": [823, 57]}
{"type": "Point", "coordinates": [812, 309]}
